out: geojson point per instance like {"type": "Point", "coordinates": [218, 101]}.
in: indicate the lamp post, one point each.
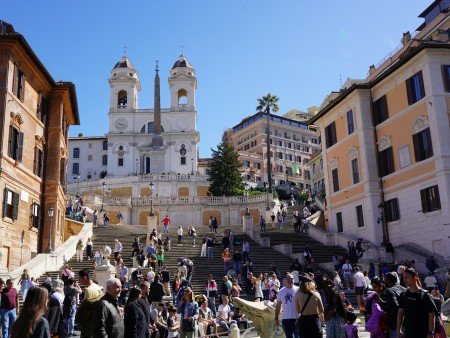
{"type": "Point", "coordinates": [192, 166]}
{"type": "Point", "coordinates": [381, 209]}
{"type": "Point", "coordinates": [50, 215]}
{"type": "Point", "coordinates": [103, 195]}
{"type": "Point", "coordinates": [151, 199]}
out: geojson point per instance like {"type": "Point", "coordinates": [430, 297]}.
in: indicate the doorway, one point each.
{"type": "Point", "coordinates": [147, 165]}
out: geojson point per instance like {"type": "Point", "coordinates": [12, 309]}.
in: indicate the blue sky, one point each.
{"type": "Point", "coordinates": [241, 49]}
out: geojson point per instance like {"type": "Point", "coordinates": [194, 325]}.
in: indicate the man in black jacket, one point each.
{"type": "Point", "coordinates": [145, 306]}
{"type": "Point", "coordinates": [108, 322]}
{"type": "Point", "coordinates": [156, 292]}
{"type": "Point", "coordinates": [391, 296]}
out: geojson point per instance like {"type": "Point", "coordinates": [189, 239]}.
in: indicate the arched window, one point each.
{"type": "Point", "coordinates": [76, 152]}
{"type": "Point", "coordinates": [122, 99]}
{"type": "Point", "coordinates": [105, 145]}
{"type": "Point", "coordinates": [76, 169]}
{"type": "Point", "coordinates": [150, 128]}
{"type": "Point", "coordinates": [182, 97]}
{"type": "Point", "coordinates": [183, 154]}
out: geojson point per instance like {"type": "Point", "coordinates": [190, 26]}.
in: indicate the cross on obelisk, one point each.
{"type": "Point", "coordinates": [182, 49]}
{"type": "Point", "coordinates": [125, 50]}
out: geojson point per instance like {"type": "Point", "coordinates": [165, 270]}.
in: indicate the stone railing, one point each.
{"type": "Point", "coordinates": [51, 262]}
{"type": "Point", "coordinates": [172, 177]}
{"type": "Point", "coordinates": [177, 200]}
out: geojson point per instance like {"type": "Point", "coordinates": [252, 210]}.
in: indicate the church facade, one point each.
{"type": "Point", "coordinates": [142, 141]}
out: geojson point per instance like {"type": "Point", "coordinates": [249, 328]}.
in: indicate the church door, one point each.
{"type": "Point", "coordinates": [147, 165]}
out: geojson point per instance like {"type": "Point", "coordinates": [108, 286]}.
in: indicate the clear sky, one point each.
{"type": "Point", "coordinates": [241, 49]}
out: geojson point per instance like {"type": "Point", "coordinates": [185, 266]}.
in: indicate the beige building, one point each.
{"type": "Point", "coordinates": [35, 115]}
{"type": "Point", "coordinates": [386, 144]}
{"type": "Point", "coordinates": [292, 144]}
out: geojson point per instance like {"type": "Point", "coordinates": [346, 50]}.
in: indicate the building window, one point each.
{"type": "Point", "coordinates": [415, 88]}
{"type": "Point", "coordinates": [42, 108]}
{"type": "Point", "coordinates": [15, 144]}
{"type": "Point", "coordinates": [423, 148]}
{"type": "Point", "coordinates": [355, 171]}
{"type": "Point", "coordinates": [330, 133]}
{"type": "Point", "coordinates": [105, 160]}
{"type": "Point", "coordinates": [105, 145]}
{"type": "Point", "coordinates": [76, 152]}
{"type": "Point", "coordinates": [183, 160]}
{"type": "Point", "coordinates": [258, 165]}
{"type": "Point", "coordinates": [359, 216]}
{"type": "Point", "coordinates": [35, 216]}
{"type": "Point", "coordinates": [314, 140]}
{"type": "Point", "coordinates": [247, 163]}
{"type": "Point", "coordinates": [298, 159]}
{"type": "Point", "coordinates": [18, 86]}
{"type": "Point", "coordinates": [280, 168]}
{"type": "Point", "coordinates": [335, 175]}
{"type": "Point", "coordinates": [90, 145]}
{"type": "Point", "coordinates": [122, 99]}
{"type": "Point", "coordinates": [10, 204]}
{"type": "Point", "coordinates": [386, 162]}
{"type": "Point", "coordinates": [350, 122]}
{"type": "Point", "coordinates": [120, 161]}
{"type": "Point", "coordinates": [391, 210]}
{"type": "Point", "coordinates": [430, 199]}
{"type": "Point", "coordinates": [380, 110]}
{"type": "Point", "coordinates": [38, 166]}
{"type": "Point", "coordinates": [306, 174]}
{"type": "Point", "coordinates": [340, 226]}
{"type": "Point", "coordinates": [446, 77]}
{"type": "Point", "coordinates": [89, 157]}
{"type": "Point", "coordinates": [75, 169]}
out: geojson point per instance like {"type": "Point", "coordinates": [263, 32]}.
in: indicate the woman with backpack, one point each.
{"type": "Point", "coordinates": [377, 322]}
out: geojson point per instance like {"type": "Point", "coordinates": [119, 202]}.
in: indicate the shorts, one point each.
{"type": "Point", "coordinates": [359, 290]}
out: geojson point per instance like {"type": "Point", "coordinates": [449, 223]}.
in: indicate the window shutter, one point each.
{"type": "Point", "coordinates": [423, 197]}
{"type": "Point", "coordinates": [446, 77]}
{"type": "Point", "coordinates": [390, 156]}
{"type": "Point", "coordinates": [39, 107]}
{"type": "Point", "coordinates": [22, 87]}
{"type": "Point", "coordinates": [422, 87]}
{"type": "Point", "coordinates": [437, 198]}
{"type": "Point", "coordinates": [15, 79]}
{"type": "Point", "coordinates": [36, 160]}
{"type": "Point", "coordinates": [4, 202]}
{"type": "Point", "coordinates": [19, 146]}
{"type": "Point", "coordinates": [409, 91]}
{"type": "Point", "coordinates": [416, 143]}
{"type": "Point", "coordinates": [429, 142]}
{"type": "Point", "coordinates": [15, 206]}
{"type": "Point", "coordinates": [38, 216]}
{"type": "Point", "coordinates": [10, 141]}
{"type": "Point", "coordinates": [41, 164]}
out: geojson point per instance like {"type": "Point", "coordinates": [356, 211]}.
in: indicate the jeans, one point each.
{"type": "Point", "coordinates": [212, 305]}
{"type": "Point", "coordinates": [70, 322]}
{"type": "Point", "coordinates": [166, 230]}
{"type": "Point", "coordinates": [8, 317]}
{"type": "Point", "coordinates": [290, 330]}
{"type": "Point", "coordinates": [245, 255]}
{"type": "Point", "coordinates": [237, 267]}
{"type": "Point", "coordinates": [209, 252]}
{"type": "Point", "coordinates": [266, 294]}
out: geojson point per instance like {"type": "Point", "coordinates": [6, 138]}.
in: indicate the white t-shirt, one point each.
{"type": "Point", "coordinates": [359, 279]}
{"type": "Point", "coordinates": [225, 311]}
{"type": "Point", "coordinates": [180, 232]}
{"type": "Point", "coordinates": [287, 298]}
{"type": "Point", "coordinates": [430, 281]}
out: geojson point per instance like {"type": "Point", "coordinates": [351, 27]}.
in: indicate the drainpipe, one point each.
{"type": "Point", "coordinates": [386, 243]}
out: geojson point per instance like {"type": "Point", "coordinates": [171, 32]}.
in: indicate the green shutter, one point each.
{"type": "Point", "coordinates": [39, 107]}
{"type": "Point", "coordinates": [416, 143]}
{"type": "Point", "coordinates": [15, 206]}
{"type": "Point", "coordinates": [19, 146]}
{"type": "Point", "coordinates": [22, 87]}
{"type": "Point", "coordinates": [4, 202]}
{"type": "Point", "coordinates": [15, 79]}
{"type": "Point", "coordinates": [422, 87]}
{"type": "Point", "coordinates": [409, 91]}
{"type": "Point", "coordinates": [10, 141]}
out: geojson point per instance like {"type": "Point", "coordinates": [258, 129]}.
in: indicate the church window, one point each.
{"type": "Point", "coordinates": [105, 145]}
{"type": "Point", "coordinates": [120, 162]}
{"type": "Point", "coordinates": [105, 160]}
{"type": "Point", "coordinates": [76, 152]}
{"type": "Point", "coordinates": [76, 169]}
{"type": "Point", "coordinates": [183, 154]}
{"type": "Point", "coordinates": [122, 99]}
{"type": "Point", "coordinates": [183, 160]}
{"type": "Point", "coordinates": [182, 97]}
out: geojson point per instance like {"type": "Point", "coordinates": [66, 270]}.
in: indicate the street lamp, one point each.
{"type": "Point", "coordinates": [192, 166]}
{"type": "Point", "coordinates": [77, 177]}
{"type": "Point", "coordinates": [151, 199]}
{"type": "Point", "coordinates": [103, 195]}
{"type": "Point", "coordinates": [50, 215]}
{"type": "Point", "coordinates": [382, 219]}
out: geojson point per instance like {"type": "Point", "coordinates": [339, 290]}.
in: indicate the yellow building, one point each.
{"type": "Point", "coordinates": [386, 144]}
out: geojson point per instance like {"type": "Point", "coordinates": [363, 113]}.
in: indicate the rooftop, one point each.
{"type": "Point", "coordinates": [274, 118]}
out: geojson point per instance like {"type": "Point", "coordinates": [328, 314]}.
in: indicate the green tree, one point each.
{"type": "Point", "coordinates": [224, 173]}
{"type": "Point", "coordinates": [266, 103]}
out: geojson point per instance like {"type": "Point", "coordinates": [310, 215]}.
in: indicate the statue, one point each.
{"type": "Point", "coordinates": [106, 264]}
{"type": "Point", "coordinates": [2, 268]}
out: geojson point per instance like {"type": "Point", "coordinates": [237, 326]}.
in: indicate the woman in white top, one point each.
{"type": "Point", "coordinates": [265, 286]}
{"type": "Point", "coordinates": [337, 282]}
{"type": "Point", "coordinates": [274, 287]}
{"type": "Point", "coordinates": [258, 288]}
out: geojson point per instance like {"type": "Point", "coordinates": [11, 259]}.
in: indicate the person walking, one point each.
{"type": "Point", "coordinates": [359, 284]}
{"type": "Point", "coordinates": [89, 249]}
{"type": "Point", "coordinates": [71, 292]}
{"type": "Point", "coordinates": [117, 248]}
{"type": "Point", "coordinates": [107, 319]}
{"type": "Point", "coordinates": [347, 271]}
{"type": "Point", "coordinates": [226, 257]}
{"type": "Point", "coordinates": [9, 308]}
{"type": "Point", "coordinates": [94, 218]}
{"type": "Point", "coordinates": [166, 222]}
{"type": "Point", "coordinates": [374, 324]}
{"type": "Point", "coordinates": [262, 224]}
{"type": "Point", "coordinates": [391, 296]}
{"type": "Point", "coordinates": [310, 308]}
{"type": "Point", "coordinates": [334, 316]}
{"type": "Point", "coordinates": [180, 235]}
{"type": "Point", "coordinates": [134, 318]}
{"type": "Point", "coordinates": [136, 246]}
{"type": "Point", "coordinates": [209, 247]}
{"type": "Point", "coordinates": [211, 293]}
{"type": "Point", "coordinates": [145, 307]}
{"type": "Point", "coordinates": [237, 260]}
{"type": "Point", "coordinates": [416, 313]}
{"type": "Point", "coordinates": [119, 218]}
{"type": "Point", "coordinates": [31, 323]}
{"type": "Point", "coordinates": [156, 292]}
{"type": "Point", "coordinates": [79, 250]}
{"type": "Point", "coordinates": [105, 220]}
{"type": "Point", "coordinates": [188, 309]}
{"type": "Point", "coordinates": [285, 300]}
{"type": "Point", "coordinates": [24, 283]}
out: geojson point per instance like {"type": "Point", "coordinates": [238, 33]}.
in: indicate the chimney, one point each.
{"type": "Point", "coordinates": [406, 38]}
{"type": "Point", "coordinates": [372, 69]}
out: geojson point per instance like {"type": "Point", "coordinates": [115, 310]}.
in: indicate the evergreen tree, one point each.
{"type": "Point", "coordinates": [224, 173]}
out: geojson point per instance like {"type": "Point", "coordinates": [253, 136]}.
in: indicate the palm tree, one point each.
{"type": "Point", "coordinates": [266, 103]}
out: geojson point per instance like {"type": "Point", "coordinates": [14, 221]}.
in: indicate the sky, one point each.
{"type": "Point", "coordinates": [241, 50]}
